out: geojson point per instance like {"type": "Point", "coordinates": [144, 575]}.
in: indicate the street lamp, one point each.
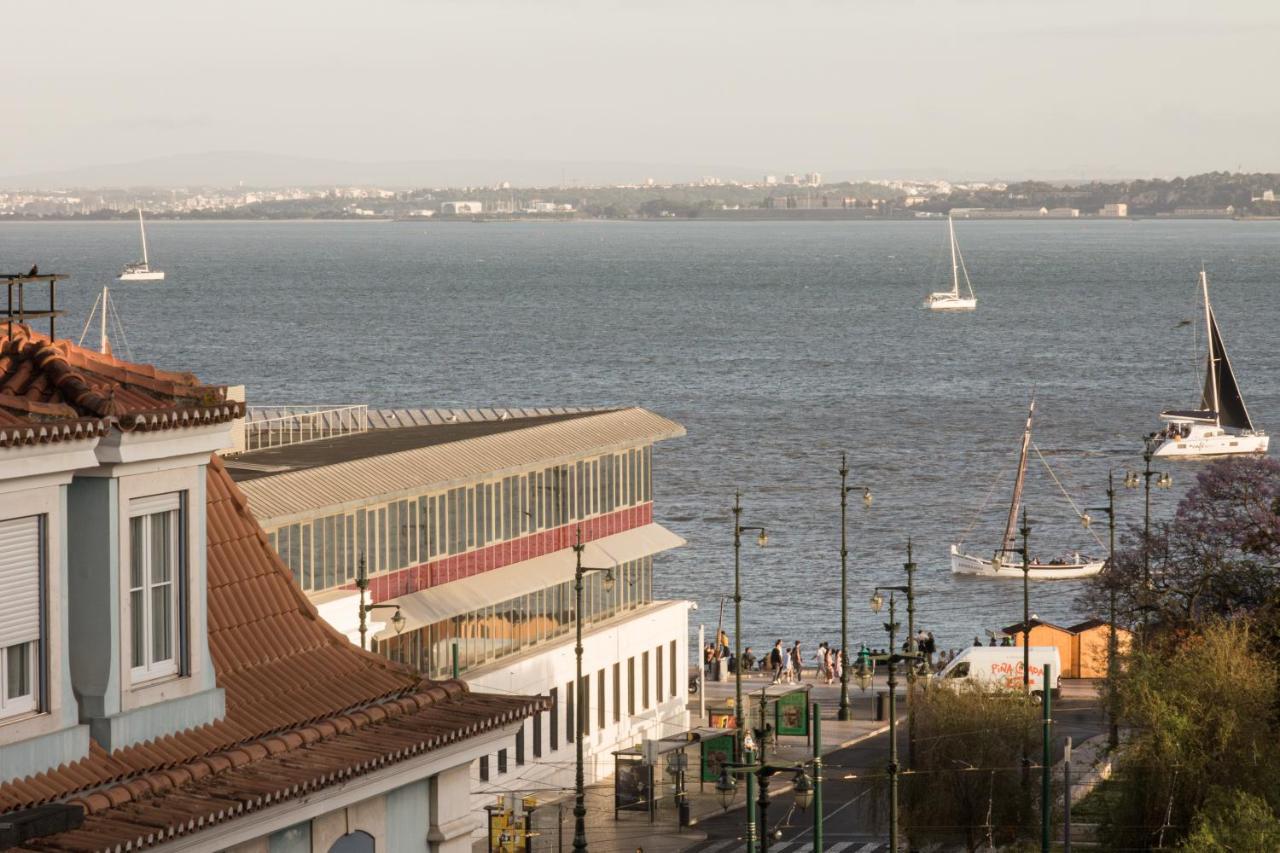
{"type": "Point", "coordinates": [805, 790]}
{"type": "Point", "coordinates": [362, 583]}
{"type": "Point", "coordinates": [579, 784]}
{"type": "Point", "coordinates": [1164, 480]}
{"type": "Point", "coordinates": [1113, 736]}
{"type": "Point", "coordinates": [762, 539]}
{"type": "Point", "coordinates": [844, 713]}
{"type": "Point", "coordinates": [1024, 551]}
{"type": "Point", "coordinates": [892, 658]}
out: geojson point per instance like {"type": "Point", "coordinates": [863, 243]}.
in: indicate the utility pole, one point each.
{"type": "Point", "coordinates": [816, 712]}
{"type": "Point", "coordinates": [910, 567]}
{"type": "Point", "coordinates": [844, 713]}
{"type": "Point", "coordinates": [1046, 806]}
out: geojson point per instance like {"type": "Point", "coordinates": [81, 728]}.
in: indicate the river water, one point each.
{"type": "Point", "coordinates": [778, 345]}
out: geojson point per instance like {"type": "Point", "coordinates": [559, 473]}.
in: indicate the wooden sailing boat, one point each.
{"type": "Point", "coordinates": [1204, 431]}
{"type": "Point", "coordinates": [1006, 562]}
{"type": "Point", "coordinates": [952, 300]}
{"type": "Point", "coordinates": [142, 270]}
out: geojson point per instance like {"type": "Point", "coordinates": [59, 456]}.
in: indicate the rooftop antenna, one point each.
{"type": "Point", "coordinates": [19, 310]}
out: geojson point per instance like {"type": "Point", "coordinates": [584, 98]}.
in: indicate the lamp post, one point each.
{"type": "Point", "coordinates": [910, 568]}
{"type": "Point", "coordinates": [892, 658]}
{"type": "Point", "coordinates": [362, 583]}
{"type": "Point", "coordinates": [1164, 480]}
{"type": "Point", "coordinates": [1025, 553]}
{"type": "Point", "coordinates": [1113, 735]}
{"type": "Point", "coordinates": [762, 539]}
{"type": "Point", "coordinates": [579, 784]}
{"type": "Point", "coordinates": [844, 713]}
{"type": "Point", "coordinates": [758, 771]}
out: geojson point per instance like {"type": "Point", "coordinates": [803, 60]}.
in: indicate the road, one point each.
{"type": "Point", "coordinates": [853, 789]}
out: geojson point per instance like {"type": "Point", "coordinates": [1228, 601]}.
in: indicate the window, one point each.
{"type": "Point", "coordinates": [484, 768]}
{"type": "Point", "coordinates": [154, 593]}
{"type": "Point", "coordinates": [21, 613]}
{"type": "Point", "coordinates": [537, 735]}
{"type": "Point", "coordinates": [671, 661]}
{"type": "Point", "coordinates": [600, 699]}
{"type": "Point", "coordinates": [553, 729]}
{"type": "Point", "coordinates": [295, 839]}
{"type": "Point", "coordinates": [584, 703]}
{"type": "Point", "coordinates": [520, 745]}
{"type": "Point", "coordinates": [502, 761]}
{"type": "Point", "coordinates": [631, 687]}
{"type": "Point", "coordinates": [569, 731]}
{"type": "Point", "coordinates": [657, 657]}
{"type": "Point", "coordinates": [617, 693]}
{"type": "Point", "coordinates": [644, 674]}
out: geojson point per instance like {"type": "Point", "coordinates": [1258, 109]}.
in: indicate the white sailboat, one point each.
{"type": "Point", "coordinates": [1204, 431]}
{"type": "Point", "coordinates": [951, 300]}
{"type": "Point", "coordinates": [142, 270]}
{"type": "Point", "coordinates": [1006, 562]}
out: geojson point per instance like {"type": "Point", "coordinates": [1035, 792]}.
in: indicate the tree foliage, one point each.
{"type": "Point", "coordinates": [967, 782]}
{"type": "Point", "coordinates": [1202, 713]}
{"type": "Point", "coordinates": [1218, 557]}
{"type": "Point", "coordinates": [1233, 821]}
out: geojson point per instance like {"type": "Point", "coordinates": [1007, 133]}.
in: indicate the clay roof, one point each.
{"type": "Point", "coordinates": [304, 709]}
{"type": "Point", "coordinates": [46, 381]}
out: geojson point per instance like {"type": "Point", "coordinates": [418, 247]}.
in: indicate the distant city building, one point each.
{"type": "Point", "coordinates": [1117, 209]}
{"type": "Point", "coordinates": [770, 180]}
{"type": "Point", "coordinates": [813, 179]}
{"type": "Point", "coordinates": [537, 206]}
{"type": "Point", "coordinates": [1267, 195]}
{"type": "Point", "coordinates": [1063, 212]}
{"type": "Point", "coordinates": [913, 200]}
{"type": "Point", "coordinates": [462, 208]}
{"type": "Point", "coordinates": [1206, 212]}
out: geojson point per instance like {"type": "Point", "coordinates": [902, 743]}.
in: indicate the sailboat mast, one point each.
{"type": "Point", "coordinates": [103, 346]}
{"type": "Point", "coordinates": [1212, 356]}
{"type": "Point", "coordinates": [955, 269]}
{"type": "Point", "coordinates": [143, 229]}
{"type": "Point", "coordinates": [1008, 542]}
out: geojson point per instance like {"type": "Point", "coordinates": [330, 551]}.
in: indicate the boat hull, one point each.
{"type": "Point", "coordinates": [140, 276]}
{"type": "Point", "coordinates": [971, 566]}
{"type": "Point", "coordinates": [1212, 441]}
{"type": "Point", "coordinates": [947, 302]}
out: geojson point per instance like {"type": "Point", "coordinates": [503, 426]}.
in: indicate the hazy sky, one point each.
{"type": "Point", "coordinates": [987, 87]}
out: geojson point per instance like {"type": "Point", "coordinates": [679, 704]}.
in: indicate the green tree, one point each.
{"type": "Point", "coordinates": [967, 783]}
{"type": "Point", "coordinates": [1201, 714]}
{"type": "Point", "coordinates": [1233, 821]}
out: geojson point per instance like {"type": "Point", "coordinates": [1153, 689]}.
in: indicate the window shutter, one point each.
{"type": "Point", "coordinates": [154, 503]}
{"type": "Point", "coordinates": [19, 580]}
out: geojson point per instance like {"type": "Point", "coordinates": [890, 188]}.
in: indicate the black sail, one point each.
{"type": "Point", "coordinates": [1231, 409]}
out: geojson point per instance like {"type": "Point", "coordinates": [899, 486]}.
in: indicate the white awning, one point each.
{"type": "Point", "coordinates": [462, 596]}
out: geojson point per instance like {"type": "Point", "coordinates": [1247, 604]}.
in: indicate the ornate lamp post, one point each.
{"type": "Point", "coordinates": [762, 539]}
{"type": "Point", "coordinates": [892, 658]}
{"type": "Point", "coordinates": [844, 712]}
{"type": "Point", "coordinates": [1113, 736]}
{"type": "Point", "coordinates": [1164, 480]}
{"type": "Point", "coordinates": [362, 583]}
{"type": "Point", "coordinates": [1025, 552]}
{"type": "Point", "coordinates": [579, 783]}
{"type": "Point", "coordinates": [758, 772]}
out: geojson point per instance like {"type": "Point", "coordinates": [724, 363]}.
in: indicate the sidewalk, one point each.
{"type": "Point", "coordinates": [633, 830]}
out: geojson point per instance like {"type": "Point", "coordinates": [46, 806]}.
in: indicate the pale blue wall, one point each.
{"type": "Point", "coordinates": [408, 817]}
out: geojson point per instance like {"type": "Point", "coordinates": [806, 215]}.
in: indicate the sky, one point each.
{"type": "Point", "coordinates": [859, 88]}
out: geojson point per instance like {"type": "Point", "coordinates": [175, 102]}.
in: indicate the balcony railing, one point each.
{"type": "Point", "coordinates": [277, 426]}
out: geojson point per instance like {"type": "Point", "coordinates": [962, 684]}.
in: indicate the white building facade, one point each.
{"type": "Point", "coordinates": [465, 525]}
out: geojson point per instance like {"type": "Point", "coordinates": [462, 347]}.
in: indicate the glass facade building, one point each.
{"type": "Point", "coordinates": [325, 552]}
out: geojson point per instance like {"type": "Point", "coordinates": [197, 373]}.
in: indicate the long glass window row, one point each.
{"type": "Point", "coordinates": [326, 552]}
{"type": "Point", "coordinates": [508, 627]}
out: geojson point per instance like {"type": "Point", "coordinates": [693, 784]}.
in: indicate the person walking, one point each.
{"type": "Point", "coordinates": [776, 662]}
{"type": "Point", "coordinates": [797, 662]}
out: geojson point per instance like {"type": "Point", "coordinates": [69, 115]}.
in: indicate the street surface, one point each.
{"type": "Point", "coordinates": [854, 788]}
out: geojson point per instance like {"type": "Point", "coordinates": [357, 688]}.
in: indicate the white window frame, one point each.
{"type": "Point", "coordinates": [29, 702]}
{"type": "Point", "coordinates": [146, 509]}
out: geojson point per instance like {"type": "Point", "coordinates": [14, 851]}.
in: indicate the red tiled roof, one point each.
{"type": "Point", "coordinates": [43, 381]}
{"type": "Point", "coordinates": [304, 709]}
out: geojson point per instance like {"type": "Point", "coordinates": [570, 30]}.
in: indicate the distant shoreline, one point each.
{"type": "Point", "coordinates": [709, 217]}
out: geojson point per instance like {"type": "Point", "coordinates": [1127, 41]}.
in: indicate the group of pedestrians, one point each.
{"type": "Point", "coordinates": [786, 665]}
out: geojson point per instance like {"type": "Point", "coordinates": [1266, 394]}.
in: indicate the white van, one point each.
{"type": "Point", "coordinates": [1000, 668]}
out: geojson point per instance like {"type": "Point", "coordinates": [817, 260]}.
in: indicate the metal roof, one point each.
{"type": "Point", "coordinates": [298, 494]}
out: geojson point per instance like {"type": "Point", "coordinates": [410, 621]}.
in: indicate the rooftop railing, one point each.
{"type": "Point", "coordinates": [278, 426]}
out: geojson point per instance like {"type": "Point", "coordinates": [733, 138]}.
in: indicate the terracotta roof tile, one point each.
{"type": "Point", "coordinates": [304, 709]}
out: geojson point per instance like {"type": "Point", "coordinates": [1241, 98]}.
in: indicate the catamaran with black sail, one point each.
{"type": "Point", "coordinates": [1221, 425]}
{"type": "Point", "coordinates": [1006, 561]}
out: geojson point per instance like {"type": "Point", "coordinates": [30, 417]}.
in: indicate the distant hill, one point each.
{"type": "Point", "coordinates": [257, 169]}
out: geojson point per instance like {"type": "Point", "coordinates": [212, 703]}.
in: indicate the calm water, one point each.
{"type": "Point", "coordinates": [778, 345]}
